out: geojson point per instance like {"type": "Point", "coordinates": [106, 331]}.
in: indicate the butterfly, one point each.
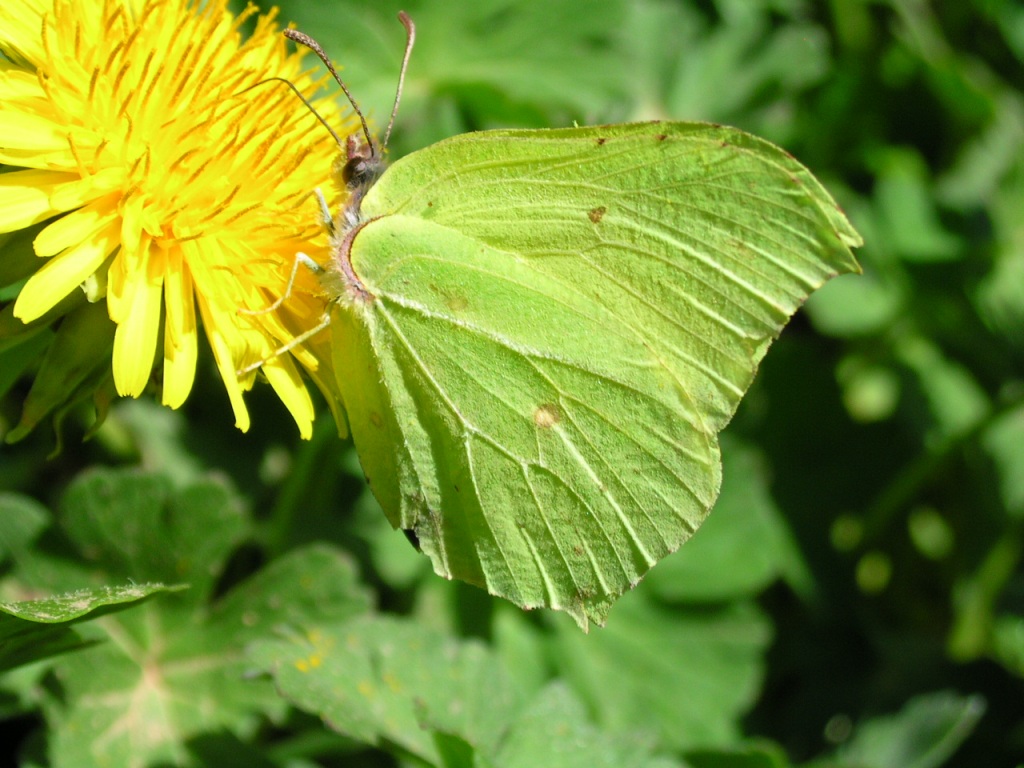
{"type": "Point", "coordinates": [539, 334]}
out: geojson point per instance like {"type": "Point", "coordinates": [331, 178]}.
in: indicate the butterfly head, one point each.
{"type": "Point", "coordinates": [362, 164]}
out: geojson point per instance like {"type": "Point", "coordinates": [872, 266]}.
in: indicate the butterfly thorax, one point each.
{"type": "Point", "coordinates": [363, 165]}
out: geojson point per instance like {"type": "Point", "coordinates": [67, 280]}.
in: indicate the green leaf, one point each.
{"type": "Point", "coordinates": [19, 354]}
{"type": "Point", "coordinates": [416, 692]}
{"type": "Point", "coordinates": [38, 628]}
{"type": "Point", "coordinates": [876, 301]}
{"type": "Point", "coordinates": [1008, 642]}
{"type": "Point", "coordinates": [986, 156]}
{"type": "Point", "coordinates": [74, 367]}
{"type": "Point", "coordinates": [386, 681]}
{"type": "Point", "coordinates": [957, 401]}
{"type": "Point", "coordinates": [723, 72]}
{"type": "Point", "coordinates": [181, 672]}
{"type": "Point", "coordinates": [554, 731]}
{"type": "Point", "coordinates": [539, 335]}
{"type": "Point", "coordinates": [172, 669]}
{"type": "Point", "coordinates": [759, 755]}
{"type": "Point", "coordinates": [1000, 294]}
{"type": "Point", "coordinates": [158, 433]}
{"type": "Point", "coordinates": [521, 643]}
{"type": "Point", "coordinates": [31, 630]}
{"type": "Point", "coordinates": [18, 260]}
{"type": "Point", "coordinates": [851, 308]}
{"type": "Point", "coordinates": [1002, 439]}
{"type": "Point", "coordinates": [923, 734]}
{"type": "Point", "coordinates": [910, 221]}
{"type": "Point", "coordinates": [135, 525]}
{"type": "Point", "coordinates": [682, 677]}
{"type": "Point", "coordinates": [21, 521]}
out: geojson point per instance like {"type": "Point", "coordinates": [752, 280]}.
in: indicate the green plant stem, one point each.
{"type": "Point", "coordinates": [976, 597]}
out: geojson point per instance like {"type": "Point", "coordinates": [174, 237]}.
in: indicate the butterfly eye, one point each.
{"type": "Point", "coordinates": [363, 165]}
{"type": "Point", "coordinates": [353, 172]}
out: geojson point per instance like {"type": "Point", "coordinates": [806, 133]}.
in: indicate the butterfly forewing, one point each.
{"type": "Point", "coordinates": [703, 238]}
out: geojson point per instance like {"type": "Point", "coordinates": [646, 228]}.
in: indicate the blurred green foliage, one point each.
{"type": "Point", "coordinates": [857, 597]}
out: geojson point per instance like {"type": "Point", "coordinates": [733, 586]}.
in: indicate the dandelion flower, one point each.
{"type": "Point", "coordinates": [171, 176]}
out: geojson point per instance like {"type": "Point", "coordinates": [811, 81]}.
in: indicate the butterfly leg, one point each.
{"type": "Point", "coordinates": [325, 211]}
{"type": "Point", "coordinates": [300, 258]}
{"type": "Point", "coordinates": [308, 333]}
{"type": "Point", "coordinates": [312, 266]}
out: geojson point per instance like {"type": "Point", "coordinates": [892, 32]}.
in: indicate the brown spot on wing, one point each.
{"type": "Point", "coordinates": [547, 415]}
{"type": "Point", "coordinates": [596, 214]}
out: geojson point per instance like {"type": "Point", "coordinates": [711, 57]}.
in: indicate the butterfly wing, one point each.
{"type": "Point", "coordinates": [558, 325]}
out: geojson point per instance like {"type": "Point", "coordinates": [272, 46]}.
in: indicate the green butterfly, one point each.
{"type": "Point", "coordinates": [538, 335]}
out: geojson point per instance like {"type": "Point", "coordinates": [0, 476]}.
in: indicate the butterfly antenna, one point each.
{"type": "Point", "coordinates": [314, 46]}
{"type": "Point", "coordinates": [410, 40]}
{"type": "Point", "coordinates": [305, 101]}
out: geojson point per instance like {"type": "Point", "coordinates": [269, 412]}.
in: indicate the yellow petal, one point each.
{"type": "Point", "coordinates": [135, 340]}
{"type": "Point", "coordinates": [180, 338]}
{"type": "Point", "coordinates": [25, 197]}
{"type": "Point", "coordinates": [33, 131]}
{"type": "Point", "coordinates": [79, 192]}
{"type": "Point", "coordinates": [227, 341]}
{"type": "Point", "coordinates": [286, 380]}
{"type": "Point", "coordinates": [119, 286]}
{"type": "Point", "coordinates": [226, 366]}
{"type": "Point", "coordinates": [56, 159]}
{"type": "Point", "coordinates": [19, 85]}
{"type": "Point", "coordinates": [62, 274]}
{"type": "Point", "coordinates": [75, 228]}
{"type": "Point", "coordinates": [131, 223]}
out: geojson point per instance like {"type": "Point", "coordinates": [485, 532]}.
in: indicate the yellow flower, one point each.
{"type": "Point", "coordinates": [169, 183]}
